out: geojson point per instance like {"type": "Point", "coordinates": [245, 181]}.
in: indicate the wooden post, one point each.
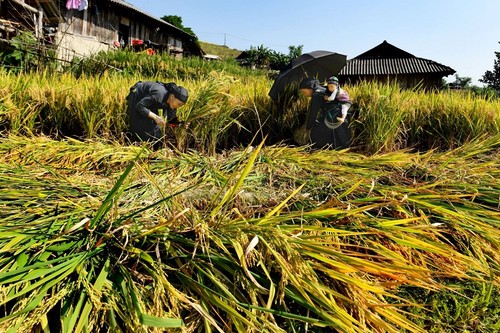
{"type": "Point", "coordinates": [39, 26]}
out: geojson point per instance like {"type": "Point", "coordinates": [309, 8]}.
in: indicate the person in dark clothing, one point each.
{"type": "Point", "coordinates": [338, 97]}
{"type": "Point", "coordinates": [326, 131]}
{"type": "Point", "coordinates": [145, 101]}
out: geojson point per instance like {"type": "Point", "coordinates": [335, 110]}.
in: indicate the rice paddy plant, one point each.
{"type": "Point", "coordinates": [392, 118]}
{"type": "Point", "coordinates": [12, 113]}
{"type": "Point", "coordinates": [452, 121]}
{"type": "Point", "coordinates": [91, 107]}
{"type": "Point", "coordinates": [207, 113]}
{"type": "Point", "coordinates": [222, 113]}
{"type": "Point", "coordinates": [101, 236]}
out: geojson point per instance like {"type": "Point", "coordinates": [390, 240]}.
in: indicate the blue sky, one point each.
{"type": "Point", "coordinates": [463, 35]}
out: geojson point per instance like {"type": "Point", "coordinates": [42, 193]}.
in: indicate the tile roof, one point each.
{"type": "Point", "coordinates": [389, 66]}
{"type": "Point", "coordinates": [137, 10]}
{"type": "Point", "coordinates": [387, 59]}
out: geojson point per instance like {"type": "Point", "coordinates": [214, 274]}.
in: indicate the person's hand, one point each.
{"type": "Point", "coordinates": [341, 119]}
{"type": "Point", "coordinates": [159, 120]}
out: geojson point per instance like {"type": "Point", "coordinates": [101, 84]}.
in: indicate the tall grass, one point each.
{"type": "Point", "coordinates": [392, 118]}
{"type": "Point", "coordinates": [229, 109]}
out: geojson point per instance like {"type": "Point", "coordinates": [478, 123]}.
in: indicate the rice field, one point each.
{"type": "Point", "coordinates": [233, 228]}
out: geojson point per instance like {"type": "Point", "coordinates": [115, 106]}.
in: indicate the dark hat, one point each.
{"type": "Point", "coordinates": [308, 83]}
{"type": "Point", "coordinates": [180, 93]}
{"type": "Point", "coordinates": [332, 79]}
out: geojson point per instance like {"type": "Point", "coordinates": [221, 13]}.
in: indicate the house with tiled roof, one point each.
{"type": "Point", "coordinates": [82, 27]}
{"type": "Point", "coordinates": [386, 62]}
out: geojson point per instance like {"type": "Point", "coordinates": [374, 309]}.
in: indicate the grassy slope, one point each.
{"type": "Point", "coordinates": [222, 51]}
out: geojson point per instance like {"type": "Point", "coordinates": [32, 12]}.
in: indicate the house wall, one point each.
{"type": "Point", "coordinates": [99, 27]}
{"type": "Point", "coordinates": [86, 32]}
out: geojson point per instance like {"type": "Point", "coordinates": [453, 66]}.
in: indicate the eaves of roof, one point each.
{"type": "Point", "coordinates": [395, 66]}
{"type": "Point", "coordinates": [141, 12]}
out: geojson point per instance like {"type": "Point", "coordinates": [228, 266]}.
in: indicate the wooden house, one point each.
{"type": "Point", "coordinates": [80, 27]}
{"type": "Point", "coordinates": [385, 62]}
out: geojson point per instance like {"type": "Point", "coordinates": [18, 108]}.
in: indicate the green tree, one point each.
{"type": "Point", "coordinates": [259, 56]}
{"type": "Point", "coordinates": [492, 78]}
{"type": "Point", "coordinates": [176, 21]}
{"type": "Point", "coordinates": [462, 82]}
{"type": "Point", "coordinates": [295, 51]}
{"type": "Point", "coordinates": [264, 57]}
{"type": "Point", "coordinates": [278, 60]}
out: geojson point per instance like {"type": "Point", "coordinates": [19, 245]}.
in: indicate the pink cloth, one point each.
{"type": "Point", "coordinates": [73, 4]}
{"type": "Point", "coordinates": [343, 96]}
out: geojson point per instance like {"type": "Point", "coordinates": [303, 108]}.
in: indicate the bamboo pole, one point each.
{"type": "Point", "coordinates": [26, 6]}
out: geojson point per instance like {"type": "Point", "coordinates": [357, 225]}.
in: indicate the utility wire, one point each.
{"type": "Point", "coordinates": [240, 38]}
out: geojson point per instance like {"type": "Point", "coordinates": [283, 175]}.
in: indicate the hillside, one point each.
{"type": "Point", "coordinates": [222, 51]}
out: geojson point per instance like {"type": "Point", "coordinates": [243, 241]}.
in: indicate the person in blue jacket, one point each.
{"type": "Point", "coordinates": [145, 102]}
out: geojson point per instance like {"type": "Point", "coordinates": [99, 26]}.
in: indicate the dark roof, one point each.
{"type": "Point", "coordinates": [386, 59]}
{"type": "Point", "coordinates": [394, 66]}
{"type": "Point", "coordinates": [385, 50]}
{"type": "Point", "coordinates": [139, 11]}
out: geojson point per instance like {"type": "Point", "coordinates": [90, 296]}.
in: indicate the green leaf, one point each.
{"type": "Point", "coordinates": [153, 321]}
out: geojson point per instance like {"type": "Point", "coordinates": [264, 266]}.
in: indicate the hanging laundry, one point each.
{"type": "Point", "coordinates": [73, 4]}
{"type": "Point", "coordinates": [83, 5]}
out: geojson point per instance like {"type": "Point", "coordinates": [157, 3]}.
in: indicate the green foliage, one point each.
{"type": "Point", "coordinates": [259, 56]}
{"type": "Point", "coordinates": [295, 51]}
{"type": "Point", "coordinates": [23, 56]}
{"type": "Point", "coordinates": [177, 22]}
{"type": "Point", "coordinates": [263, 57]}
{"type": "Point", "coordinates": [278, 60]}
{"type": "Point", "coordinates": [492, 78]}
{"type": "Point", "coordinates": [463, 306]}
{"type": "Point", "coordinates": [461, 82]}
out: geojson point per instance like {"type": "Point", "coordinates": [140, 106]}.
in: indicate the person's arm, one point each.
{"type": "Point", "coordinates": [148, 103]}
{"type": "Point", "coordinates": [343, 97]}
{"type": "Point", "coordinates": [157, 119]}
{"type": "Point", "coordinates": [145, 105]}
{"type": "Point", "coordinates": [344, 108]}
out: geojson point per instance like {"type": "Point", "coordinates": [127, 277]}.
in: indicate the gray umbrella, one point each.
{"type": "Point", "coordinates": [317, 64]}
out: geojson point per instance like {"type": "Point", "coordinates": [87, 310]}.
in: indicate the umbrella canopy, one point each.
{"type": "Point", "coordinates": [317, 64]}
